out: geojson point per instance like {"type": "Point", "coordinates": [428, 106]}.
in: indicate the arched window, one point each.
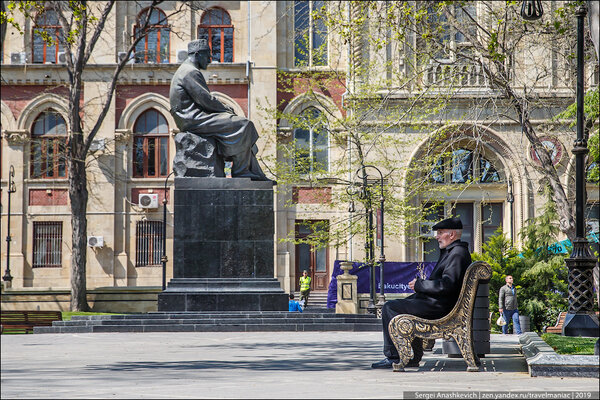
{"type": "Point", "coordinates": [154, 47]}
{"type": "Point", "coordinates": [217, 29]}
{"type": "Point", "coordinates": [311, 141]}
{"type": "Point", "coordinates": [460, 166]}
{"type": "Point", "coordinates": [48, 146]}
{"type": "Point", "coordinates": [47, 36]}
{"type": "Point", "coordinates": [150, 145]}
{"type": "Point", "coordinates": [464, 166]}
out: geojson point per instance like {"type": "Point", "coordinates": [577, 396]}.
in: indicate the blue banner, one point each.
{"type": "Point", "coordinates": [397, 275]}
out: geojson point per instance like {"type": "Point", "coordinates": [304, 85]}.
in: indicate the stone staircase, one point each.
{"type": "Point", "coordinates": [226, 321]}
{"type": "Point", "coordinates": [317, 301]}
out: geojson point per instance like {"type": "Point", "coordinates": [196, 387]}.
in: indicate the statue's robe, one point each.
{"type": "Point", "coordinates": [197, 111]}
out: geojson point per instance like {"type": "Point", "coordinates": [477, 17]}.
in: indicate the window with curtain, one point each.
{"type": "Point", "coordinates": [47, 36]}
{"type": "Point", "coordinates": [311, 142]}
{"type": "Point", "coordinates": [48, 146]}
{"type": "Point", "coordinates": [150, 145]}
{"type": "Point", "coordinates": [216, 27]}
{"type": "Point", "coordinates": [310, 34]}
{"type": "Point", "coordinates": [47, 244]}
{"type": "Point", "coordinates": [154, 47]}
{"type": "Point", "coordinates": [148, 243]}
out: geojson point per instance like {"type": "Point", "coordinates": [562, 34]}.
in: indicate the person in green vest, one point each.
{"type": "Point", "coordinates": [304, 287]}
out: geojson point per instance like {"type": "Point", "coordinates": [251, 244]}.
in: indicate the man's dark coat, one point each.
{"type": "Point", "coordinates": [435, 296]}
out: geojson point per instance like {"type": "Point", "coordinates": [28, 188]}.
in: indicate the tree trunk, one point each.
{"type": "Point", "coordinates": [563, 207]}
{"type": "Point", "coordinates": [78, 195]}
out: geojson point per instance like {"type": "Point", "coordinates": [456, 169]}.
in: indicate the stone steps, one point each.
{"type": "Point", "coordinates": [250, 321]}
{"type": "Point", "coordinates": [315, 300]}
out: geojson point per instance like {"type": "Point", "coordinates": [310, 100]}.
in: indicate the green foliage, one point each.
{"type": "Point", "coordinates": [591, 112]}
{"type": "Point", "coordinates": [570, 345]}
{"type": "Point", "coordinates": [539, 275]}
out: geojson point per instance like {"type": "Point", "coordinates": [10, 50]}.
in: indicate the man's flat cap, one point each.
{"type": "Point", "coordinates": [197, 45]}
{"type": "Point", "coordinates": [449, 223]}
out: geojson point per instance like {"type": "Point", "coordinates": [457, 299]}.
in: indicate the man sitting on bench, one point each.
{"type": "Point", "coordinates": [434, 297]}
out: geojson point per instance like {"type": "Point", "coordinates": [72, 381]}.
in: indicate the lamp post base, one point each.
{"type": "Point", "coordinates": [580, 324]}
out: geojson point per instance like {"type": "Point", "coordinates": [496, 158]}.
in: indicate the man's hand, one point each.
{"type": "Point", "coordinates": [411, 284]}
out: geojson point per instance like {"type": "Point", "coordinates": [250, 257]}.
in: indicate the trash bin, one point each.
{"type": "Point", "coordinates": [525, 323]}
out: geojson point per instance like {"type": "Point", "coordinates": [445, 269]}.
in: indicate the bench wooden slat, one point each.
{"type": "Point", "coordinates": [18, 321]}
{"type": "Point", "coordinates": [559, 324]}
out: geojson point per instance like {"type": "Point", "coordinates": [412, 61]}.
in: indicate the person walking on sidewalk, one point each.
{"type": "Point", "coordinates": [508, 306]}
{"type": "Point", "coordinates": [304, 287]}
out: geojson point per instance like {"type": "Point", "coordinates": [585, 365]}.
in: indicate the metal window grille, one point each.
{"type": "Point", "coordinates": [47, 244]}
{"type": "Point", "coordinates": [148, 249]}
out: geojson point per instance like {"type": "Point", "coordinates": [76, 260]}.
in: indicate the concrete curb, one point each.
{"type": "Point", "coordinates": [542, 360]}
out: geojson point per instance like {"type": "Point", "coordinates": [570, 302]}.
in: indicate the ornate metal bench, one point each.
{"type": "Point", "coordinates": [457, 324]}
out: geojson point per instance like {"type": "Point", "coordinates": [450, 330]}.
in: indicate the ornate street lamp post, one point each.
{"type": "Point", "coordinates": [580, 320]}
{"type": "Point", "coordinates": [11, 189]}
{"type": "Point", "coordinates": [164, 258]}
{"type": "Point", "coordinates": [369, 240]}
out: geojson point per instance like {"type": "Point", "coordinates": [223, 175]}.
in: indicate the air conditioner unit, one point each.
{"type": "Point", "coordinates": [95, 241]}
{"type": "Point", "coordinates": [62, 57]}
{"type": "Point", "coordinates": [425, 229]}
{"type": "Point", "coordinates": [122, 54]}
{"type": "Point", "coordinates": [182, 55]}
{"type": "Point", "coordinates": [148, 200]}
{"type": "Point", "coordinates": [18, 58]}
{"type": "Point", "coordinates": [98, 144]}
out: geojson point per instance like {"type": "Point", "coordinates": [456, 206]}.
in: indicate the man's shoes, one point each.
{"type": "Point", "coordinates": [413, 363]}
{"type": "Point", "coordinates": [386, 363]}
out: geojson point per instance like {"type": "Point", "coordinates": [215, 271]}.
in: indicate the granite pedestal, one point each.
{"type": "Point", "coordinates": [223, 250]}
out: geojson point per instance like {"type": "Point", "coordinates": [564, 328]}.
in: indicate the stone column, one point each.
{"type": "Point", "coordinates": [347, 291]}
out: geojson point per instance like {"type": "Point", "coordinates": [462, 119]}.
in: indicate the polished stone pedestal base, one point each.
{"type": "Point", "coordinates": [223, 250]}
{"type": "Point", "coordinates": [213, 294]}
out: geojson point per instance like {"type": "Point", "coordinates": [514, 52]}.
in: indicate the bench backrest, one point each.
{"type": "Point", "coordinates": [477, 272]}
{"type": "Point", "coordinates": [30, 316]}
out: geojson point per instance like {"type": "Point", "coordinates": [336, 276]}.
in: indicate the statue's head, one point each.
{"type": "Point", "coordinates": [199, 53]}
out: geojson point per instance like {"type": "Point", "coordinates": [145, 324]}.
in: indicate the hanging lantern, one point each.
{"type": "Point", "coordinates": [532, 10]}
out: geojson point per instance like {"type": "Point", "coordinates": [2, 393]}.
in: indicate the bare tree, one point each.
{"type": "Point", "coordinates": [82, 24]}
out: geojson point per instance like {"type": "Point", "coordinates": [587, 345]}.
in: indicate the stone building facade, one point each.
{"type": "Point", "coordinates": [132, 154]}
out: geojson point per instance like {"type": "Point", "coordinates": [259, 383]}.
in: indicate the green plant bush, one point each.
{"type": "Point", "coordinates": [540, 276]}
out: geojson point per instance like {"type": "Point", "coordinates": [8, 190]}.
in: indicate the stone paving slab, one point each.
{"type": "Point", "coordinates": [305, 365]}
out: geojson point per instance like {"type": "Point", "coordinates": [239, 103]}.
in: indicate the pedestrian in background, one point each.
{"type": "Point", "coordinates": [508, 306]}
{"type": "Point", "coordinates": [304, 287]}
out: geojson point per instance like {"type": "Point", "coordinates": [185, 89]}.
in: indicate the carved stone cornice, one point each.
{"type": "Point", "coordinates": [123, 135]}
{"type": "Point", "coordinates": [16, 137]}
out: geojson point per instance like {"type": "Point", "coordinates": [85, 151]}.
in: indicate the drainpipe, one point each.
{"type": "Point", "coordinates": [248, 62]}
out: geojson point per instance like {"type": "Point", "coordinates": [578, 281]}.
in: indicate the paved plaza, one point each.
{"type": "Point", "coordinates": [306, 365]}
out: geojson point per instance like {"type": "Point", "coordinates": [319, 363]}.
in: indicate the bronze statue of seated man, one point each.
{"type": "Point", "coordinates": [210, 131]}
